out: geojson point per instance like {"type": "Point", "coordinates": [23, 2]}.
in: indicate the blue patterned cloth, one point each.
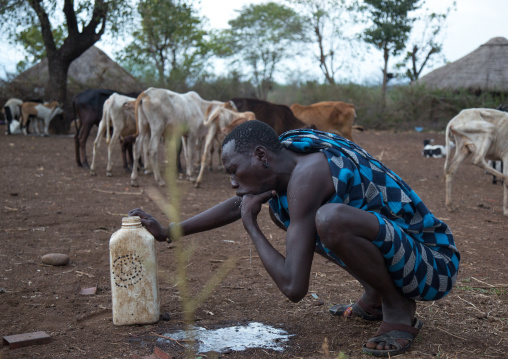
{"type": "Point", "coordinates": [418, 248]}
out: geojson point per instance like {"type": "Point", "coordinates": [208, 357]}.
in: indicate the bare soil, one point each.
{"type": "Point", "coordinates": [50, 205]}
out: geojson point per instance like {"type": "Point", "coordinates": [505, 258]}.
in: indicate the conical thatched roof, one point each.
{"type": "Point", "coordinates": [93, 69]}
{"type": "Point", "coordinates": [485, 69]}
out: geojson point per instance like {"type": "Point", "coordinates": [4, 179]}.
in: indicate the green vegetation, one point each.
{"type": "Point", "coordinates": [39, 27]}
{"type": "Point", "coordinates": [170, 46]}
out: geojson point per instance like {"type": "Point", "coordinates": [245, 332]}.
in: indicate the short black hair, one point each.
{"type": "Point", "coordinates": [251, 134]}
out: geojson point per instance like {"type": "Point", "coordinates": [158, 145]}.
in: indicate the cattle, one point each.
{"type": "Point", "coordinates": [435, 151]}
{"type": "Point", "coordinates": [44, 112]}
{"type": "Point", "coordinates": [219, 122]}
{"type": "Point", "coordinates": [118, 112]}
{"type": "Point", "coordinates": [158, 110]}
{"type": "Point", "coordinates": [203, 132]}
{"type": "Point", "coordinates": [484, 134]}
{"type": "Point", "coordinates": [12, 111]}
{"type": "Point", "coordinates": [88, 106]}
{"type": "Point", "coordinates": [328, 116]}
{"type": "Point", "coordinates": [277, 116]}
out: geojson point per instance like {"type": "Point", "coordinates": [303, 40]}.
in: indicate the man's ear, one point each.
{"type": "Point", "coordinates": [261, 153]}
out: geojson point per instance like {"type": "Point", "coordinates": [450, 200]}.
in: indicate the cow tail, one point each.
{"type": "Point", "coordinates": [105, 117]}
{"type": "Point", "coordinates": [137, 112]}
{"type": "Point", "coordinates": [448, 135]}
{"type": "Point", "coordinates": [212, 116]}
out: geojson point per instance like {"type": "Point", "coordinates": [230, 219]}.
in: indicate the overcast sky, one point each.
{"type": "Point", "coordinates": [471, 25]}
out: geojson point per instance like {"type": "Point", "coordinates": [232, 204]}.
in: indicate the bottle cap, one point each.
{"type": "Point", "coordinates": [131, 221]}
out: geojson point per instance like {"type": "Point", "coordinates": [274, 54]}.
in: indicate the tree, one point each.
{"type": "Point", "coordinates": [390, 29]}
{"type": "Point", "coordinates": [171, 41]}
{"type": "Point", "coordinates": [327, 19]}
{"type": "Point", "coordinates": [33, 43]}
{"type": "Point", "coordinates": [262, 36]}
{"type": "Point", "coordinates": [81, 34]}
{"type": "Point", "coordinates": [427, 44]}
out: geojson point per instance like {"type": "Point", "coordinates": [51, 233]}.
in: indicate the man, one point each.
{"type": "Point", "coordinates": [333, 198]}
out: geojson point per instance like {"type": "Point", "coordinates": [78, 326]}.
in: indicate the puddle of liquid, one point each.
{"type": "Point", "coordinates": [238, 338]}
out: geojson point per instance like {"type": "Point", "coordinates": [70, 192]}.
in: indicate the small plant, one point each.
{"type": "Point", "coordinates": [171, 208]}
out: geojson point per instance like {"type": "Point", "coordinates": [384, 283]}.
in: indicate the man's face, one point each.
{"type": "Point", "coordinates": [245, 171]}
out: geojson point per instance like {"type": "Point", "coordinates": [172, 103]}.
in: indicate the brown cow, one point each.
{"type": "Point", "coordinates": [279, 117]}
{"type": "Point", "coordinates": [41, 112]}
{"type": "Point", "coordinates": [328, 116]}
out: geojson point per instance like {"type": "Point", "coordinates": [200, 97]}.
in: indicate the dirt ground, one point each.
{"type": "Point", "coordinates": [48, 205]}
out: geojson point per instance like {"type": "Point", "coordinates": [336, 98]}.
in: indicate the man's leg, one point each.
{"type": "Point", "coordinates": [349, 233]}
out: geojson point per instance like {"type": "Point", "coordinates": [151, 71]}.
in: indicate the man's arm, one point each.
{"type": "Point", "coordinates": [215, 217]}
{"type": "Point", "coordinates": [309, 188]}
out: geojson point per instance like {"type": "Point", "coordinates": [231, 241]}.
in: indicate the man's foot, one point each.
{"type": "Point", "coordinates": [360, 309]}
{"type": "Point", "coordinates": [392, 339]}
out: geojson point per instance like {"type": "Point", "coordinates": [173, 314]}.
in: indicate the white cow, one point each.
{"type": "Point", "coordinates": [118, 113]}
{"type": "Point", "coordinates": [158, 110]}
{"type": "Point", "coordinates": [483, 133]}
{"type": "Point", "coordinates": [44, 112]}
{"type": "Point", "coordinates": [12, 112]}
{"type": "Point", "coordinates": [218, 123]}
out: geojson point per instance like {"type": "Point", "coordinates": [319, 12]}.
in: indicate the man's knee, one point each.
{"type": "Point", "coordinates": [332, 221]}
{"type": "Point", "coordinates": [339, 222]}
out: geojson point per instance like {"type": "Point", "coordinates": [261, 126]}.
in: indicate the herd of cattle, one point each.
{"type": "Point", "coordinates": [140, 120]}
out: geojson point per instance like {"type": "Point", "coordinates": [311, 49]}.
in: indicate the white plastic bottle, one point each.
{"type": "Point", "coordinates": [133, 266]}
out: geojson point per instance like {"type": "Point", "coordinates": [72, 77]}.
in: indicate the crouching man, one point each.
{"type": "Point", "coordinates": [333, 198]}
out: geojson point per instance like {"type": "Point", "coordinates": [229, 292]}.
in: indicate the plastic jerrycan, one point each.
{"type": "Point", "coordinates": [133, 266]}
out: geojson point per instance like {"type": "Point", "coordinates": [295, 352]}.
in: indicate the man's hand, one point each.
{"type": "Point", "coordinates": [251, 205]}
{"type": "Point", "coordinates": [152, 225]}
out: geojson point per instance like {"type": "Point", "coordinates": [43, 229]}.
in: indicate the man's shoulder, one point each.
{"type": "Point", "coordinates": [314, 161]}
{"type": "Point", "coordinates": [312, 175]}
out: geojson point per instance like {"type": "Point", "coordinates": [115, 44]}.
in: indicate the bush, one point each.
{"type": "Point", "coordinates": [407, 106]}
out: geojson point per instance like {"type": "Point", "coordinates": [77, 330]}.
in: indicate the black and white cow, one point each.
{"type": "Point", "coordinates": [430, 150]}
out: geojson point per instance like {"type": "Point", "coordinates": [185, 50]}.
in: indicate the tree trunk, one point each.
{"type": "Point", "coordinates": [57, 86]}
{"type": "Point", "coordinates": [386, 56]}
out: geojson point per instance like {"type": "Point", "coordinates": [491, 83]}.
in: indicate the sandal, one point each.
{"type": "Point", "coordinates": [390, 333]}
{"type": "Point", "coordinates": [359, 309]}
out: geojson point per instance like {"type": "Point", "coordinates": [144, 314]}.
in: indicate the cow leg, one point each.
{"type": "Point", "coordinates": [8, 119]}
{"type": "Point", "coordinates": [184, 146]}
{"type": "Point", "coordinates": [504, 161]}
{"type": "Point", "coordinates": [147, 166]}
{"type": "Point", "coordinates": [189, 158]}
{"type": "Point", "coordinates": [137, 153]}
{"type": "Point", "coordinates": [96, 143]}
{"type": "Point", "coordinates": [219, 152]}
{"type": "Point", "coordinates": [207, 150]}
{"type": "Point", "coordinates": [25, 122]}
{"type": "Point", "coordinates": [154, 158]}
{"type": "Point", "coordinates": [41, 125]}
{"type": "Point", "coordinates": [178, 159]}
{"type": "Point", "coordinates": [76, 148]}
{"type": "Point", "coordinates": [210, 159]}
{"type": "Point", "coordinates": [490, 169]}
{"type": "Point", "coordinates": [494, 179]}
{"type": "Point", "coordinates": [46, 126]}
{"type": "Point", "coordinates": [126, 150]}
{"type": "Point", "coordinates": [451, 168]}
{"type": "Point", "coordinates": [82, 144]}
{"type": "Point", "coordinates": [113, 140]}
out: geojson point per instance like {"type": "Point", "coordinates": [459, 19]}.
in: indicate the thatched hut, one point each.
{"type": "Point", "coordinates": [483, 70]}
{"type": "Point", "coordinates": [93, 69]}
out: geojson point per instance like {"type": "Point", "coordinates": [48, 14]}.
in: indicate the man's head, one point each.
{"type": "Point", "coordinates": [251, 134]}
{"type": "Point", "coordinates": [246, 155]}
